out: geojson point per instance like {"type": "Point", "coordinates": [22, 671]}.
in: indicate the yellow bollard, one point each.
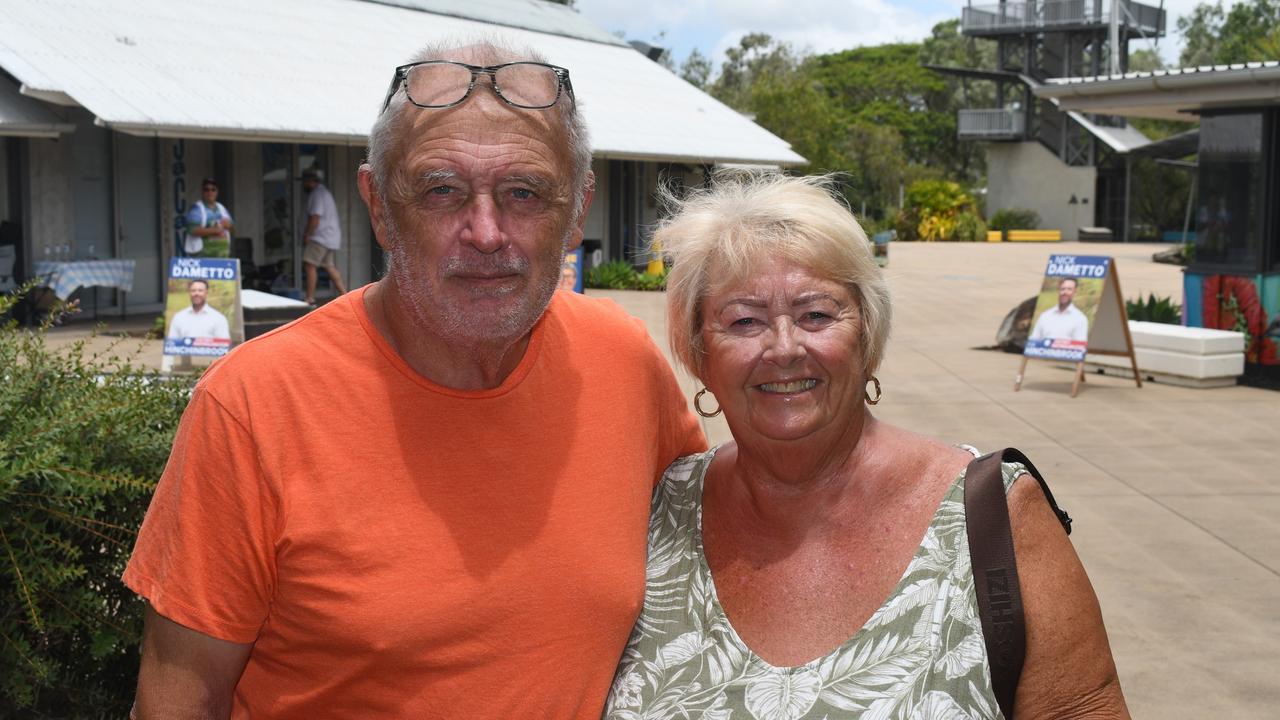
{"type": "Point", "coordinates": [656, 266]}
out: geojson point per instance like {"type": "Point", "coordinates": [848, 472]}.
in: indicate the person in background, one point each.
{"type": "Point", "coordinates": [323, 235]}
{"type": "Point", "coordinates": [209, 225]}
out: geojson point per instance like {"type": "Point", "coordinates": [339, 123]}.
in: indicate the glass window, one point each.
{"type": "Point", "coordinates": [1229, 212]}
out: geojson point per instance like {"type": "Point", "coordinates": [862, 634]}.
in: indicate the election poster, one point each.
{"type": "Point", "coordinates": [203, 316]}
{"type": "Point", "coordinates": [1079, 310]}
{"type": "Point", "coordinates": [571, 271]}
{"type": "Point", "coordinates": [1067, 304]}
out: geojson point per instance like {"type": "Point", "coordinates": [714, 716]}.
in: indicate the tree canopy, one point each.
{"type": "Point", "coordinates": [871, 114]}
{"type": "Point", "coordinates": [1248, 32]}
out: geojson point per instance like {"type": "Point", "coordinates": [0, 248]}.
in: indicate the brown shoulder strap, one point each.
{"type": "Point", "coordinates": [995, 569]}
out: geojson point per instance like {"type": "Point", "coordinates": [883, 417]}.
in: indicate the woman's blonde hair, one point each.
{"type": "Point", "coordinates": [721, 234]}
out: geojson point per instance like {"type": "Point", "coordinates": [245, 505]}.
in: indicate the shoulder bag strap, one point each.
{"type": "Point", "coordinates": [995, 570]}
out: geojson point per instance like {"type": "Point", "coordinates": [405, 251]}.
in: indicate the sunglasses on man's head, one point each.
{"type": "Point", "coordinates": [209, 188]}
{"type": "Point", "coordinates": [441, 84]}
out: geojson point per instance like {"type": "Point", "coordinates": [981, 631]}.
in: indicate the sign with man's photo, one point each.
{"type": "Point", "coordinates": [1079, 309]}
{"type": "Point", "coordinates": [1067, 304]}
{"type": "Point", "coordinates": [202, 307]}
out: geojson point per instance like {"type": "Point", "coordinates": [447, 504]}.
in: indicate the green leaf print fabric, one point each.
{"type": "Point", "coordinates": [920, 656]}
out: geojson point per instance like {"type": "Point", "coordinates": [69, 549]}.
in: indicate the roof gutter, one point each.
{"type": "Point", "coordinates": [1165, 83]}
{"type": "Point", "coordinates": [233, 134]}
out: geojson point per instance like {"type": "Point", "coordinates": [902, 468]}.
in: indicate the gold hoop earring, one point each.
{"type": "Point", "coordinates": [868, 398]}
{"type": "Point", "coordinates": [698, 406]}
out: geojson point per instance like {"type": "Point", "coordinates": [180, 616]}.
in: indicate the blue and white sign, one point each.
{"type": "Point", "coordinates": [202, 309]}
{"type": "Point", "coordinates": [1066, 306]}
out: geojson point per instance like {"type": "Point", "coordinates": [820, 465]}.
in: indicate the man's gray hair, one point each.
{"type": "Point", "coordinates": [384, 138]}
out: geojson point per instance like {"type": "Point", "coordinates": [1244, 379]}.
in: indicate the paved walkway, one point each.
{"type": "Point", "coordinates": [1175, 491]}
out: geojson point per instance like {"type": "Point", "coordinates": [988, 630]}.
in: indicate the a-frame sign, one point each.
{"type": "Point", "coordinates": [1080, 310]}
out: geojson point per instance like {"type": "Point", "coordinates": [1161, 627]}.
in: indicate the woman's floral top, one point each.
{"type": "Point", "coordinates": [921, 655]}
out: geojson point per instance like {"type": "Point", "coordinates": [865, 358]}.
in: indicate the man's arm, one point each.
{"type": "Point", "coordinates": [175, 326]}
{"type": "Point", "coordinates": [1069, 671]}
{"type": "Point", "coordinates": [185, 673]}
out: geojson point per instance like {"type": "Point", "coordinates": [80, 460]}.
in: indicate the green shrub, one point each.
{"type": "Point", "coordinates": [1014, 219]}
{"type": "Point", "coordinates": [82, 442]}
{"type": "Point", "coordinates": [970, 228]}
{"type": "Point", "coordinates": [934, 211]}
{"type": "Point", "coordinates": [1154, 309]}
{"type": "Point", "coordinates": [619, 275]}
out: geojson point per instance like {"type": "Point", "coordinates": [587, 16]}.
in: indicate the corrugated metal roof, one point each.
{"type": "Point", "coordinates": [536, 15]}
{"type": "Point", "coordinates": [1171, 72]}
{"type": "Point", "coordinates": [317, 70]}
{"type": "Point", "coordinates": [25, 117]}
{"type": "Point", "coordinates": [1178, 94]}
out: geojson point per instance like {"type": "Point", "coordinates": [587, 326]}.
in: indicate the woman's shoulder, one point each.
{"type": "Point", "coordinates": [689, 467]}
{"type": "Point", "coordinates": [923, 457]}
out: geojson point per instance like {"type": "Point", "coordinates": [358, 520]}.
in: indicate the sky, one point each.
{"type": "Point", "coordinates": [712, 26]}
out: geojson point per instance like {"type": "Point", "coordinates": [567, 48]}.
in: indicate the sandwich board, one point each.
{"type": "Point", "coordinates": [1080, 310]}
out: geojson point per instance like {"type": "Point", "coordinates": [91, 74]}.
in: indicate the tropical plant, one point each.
{"type": "Point", "coordinates": [83, 440]}
{"type": "Point", "coordinates": [620, 275]}
{"type": "Point", "coordinates": [1014, 219]}
{"type": "Point", "coordinates": [1154, 309]}
{"type": "Point", "coordinates": [937, 210]}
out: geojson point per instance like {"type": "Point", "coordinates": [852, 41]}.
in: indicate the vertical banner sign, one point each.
{"type": "Point", "coordinates": [1079, 310]}
{"type": "Point", "coordinates": [202, 307]}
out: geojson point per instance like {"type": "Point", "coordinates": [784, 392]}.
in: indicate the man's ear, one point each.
{"type": "Point", "coordinates": [589, 192]}
{"type": "Point", "coordinates": [373, 201]}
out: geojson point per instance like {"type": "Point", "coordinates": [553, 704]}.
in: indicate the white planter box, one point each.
{"type": "Point", "coordinates": [1177, 355]}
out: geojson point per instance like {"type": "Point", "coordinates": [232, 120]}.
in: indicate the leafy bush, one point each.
{"type": "Point", "coordinates": [935, 210]}
{"type": "Point", "coordinates": [619, 275]}
{"type": "Point", "coordinates": [1014, 219]}
{"type": "Point", "coordinates": [1154, 309]}
{"type": "Point", "coordinates": [970, 228]}
{"type": "Point", "coordinates": [82, 442]}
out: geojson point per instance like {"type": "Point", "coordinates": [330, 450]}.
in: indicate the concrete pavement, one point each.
{"type": "Point", "coordinates": [1175, 491]}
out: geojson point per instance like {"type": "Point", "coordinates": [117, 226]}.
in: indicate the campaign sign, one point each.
{"type": "Point", "coordinates": [571, 271]}
{"type": "Point", "coordinates": [202, 306]}
{"type": "Point", "coordinates": [1066, 307]}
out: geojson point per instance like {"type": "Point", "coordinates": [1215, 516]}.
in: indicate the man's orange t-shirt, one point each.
{"type": "Point", "coordinates": [394, 548]}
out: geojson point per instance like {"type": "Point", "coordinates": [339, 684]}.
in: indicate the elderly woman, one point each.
{"type": "Point", "coordinates": [817, 566]}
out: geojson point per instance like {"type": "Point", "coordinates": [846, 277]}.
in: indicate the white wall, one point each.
{"type": "Point", "coordinates": [1026, 175]}
{"type": "Point", "coordinates": [598, 215]}
{"type": "Point", "coordinates": [50, 176]}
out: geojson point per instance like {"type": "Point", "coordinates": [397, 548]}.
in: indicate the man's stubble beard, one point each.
{"type": "Point", "coordinates": [456, 324]}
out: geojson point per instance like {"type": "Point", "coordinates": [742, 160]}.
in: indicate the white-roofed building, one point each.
{"type": "Point", "coordinates": [111, 113]}
{"type": "Point", "coordinates": [1233, 282]}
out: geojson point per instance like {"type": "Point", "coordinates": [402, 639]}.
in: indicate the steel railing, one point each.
{"type": "Point", "coordinates": [992, 123]}
{"type": "Point", "coordinates": [1057, 13]}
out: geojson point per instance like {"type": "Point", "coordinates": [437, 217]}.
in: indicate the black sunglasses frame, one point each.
{"type": "Point", "coordinates": [563, 85]}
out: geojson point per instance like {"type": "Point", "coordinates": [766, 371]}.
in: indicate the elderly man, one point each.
{"type": "Point", "coordinates": [429, 498]}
